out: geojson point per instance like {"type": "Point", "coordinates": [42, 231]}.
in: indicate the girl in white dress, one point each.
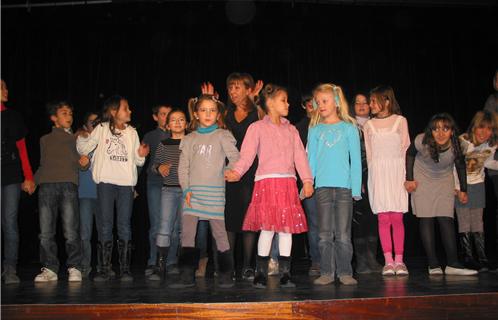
{"type": "Point", "coordinates": [386, 142]}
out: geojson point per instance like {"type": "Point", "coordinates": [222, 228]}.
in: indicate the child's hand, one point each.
{"type": "Point", "coordinates": [28, 186]}
{"type": "Point", "coordinates": [307, 189]}
{"type": "Point", "coordinates": [462, 197]}
{"type": "Point", "coordinates": [82, 133]}
{"type": "Point", "coordinates": [164, 169]}
{"type": "Point", "coordinates": [84, 160]}
{"type": "Point", "coordinates": [231, 176]}
{"type": "Point", "coordinates": [411, 186]}
{"type": "Point", "coordinates": [257, 87]}
{"type": "Point", "coordinates": [187, 199]}
{"type": "Point", "coordinates": [207, 88]}
{"type": "Point", "coordinates": [143, 150]}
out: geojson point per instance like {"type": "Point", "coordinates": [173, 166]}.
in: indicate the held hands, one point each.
{"type": "Point", "coordinates": [462, 197]}
{"type": "Point", "coordinates": [187, 199]}
{"type": "Point", "coordinates": [231, 176]}
{"type": "Point", "coordinates": [164, 169]}
{"type": "Point", "coordinates": [84, 160]}
{"type": "Point", "coordinates": [28, 186]}
{"type": "Point", "coordinates": [307, 189]}
{"type": "Point", "coordinates": [411, 186]}
{"type": "Point", "coordinates": [143, 150]}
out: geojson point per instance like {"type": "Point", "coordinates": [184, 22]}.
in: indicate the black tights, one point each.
{"type": "Point", "coordinates": [248, 242]}
{"type": "Point", "coordinates": [447, 231]}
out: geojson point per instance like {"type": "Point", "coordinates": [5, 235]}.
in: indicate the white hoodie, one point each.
{"type": "Point", "coordinates": [116, 158]}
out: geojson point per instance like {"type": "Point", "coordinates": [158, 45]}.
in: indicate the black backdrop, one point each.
{"type": "Point", "coordinates": [439, 58]}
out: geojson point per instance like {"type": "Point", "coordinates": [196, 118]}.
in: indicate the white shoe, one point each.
{"type": "Point", "coordinates": [435, 271]}
{"type": "Point", "coordinates": [460, 271]}
{"type": "Point", "coordinates": [74, 275]}
{"type": "Point", "coordinates": [46, 275]}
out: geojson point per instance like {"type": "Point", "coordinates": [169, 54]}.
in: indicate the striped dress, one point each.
{"type": "Point", "coordinates": [201, 171]}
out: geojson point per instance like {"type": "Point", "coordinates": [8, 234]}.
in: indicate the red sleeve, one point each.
{"type": "Point", "coordinates": [23, 153]}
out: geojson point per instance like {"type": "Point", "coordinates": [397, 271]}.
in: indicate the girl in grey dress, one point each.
{"type": "Point", "coordinates": [429, 175]}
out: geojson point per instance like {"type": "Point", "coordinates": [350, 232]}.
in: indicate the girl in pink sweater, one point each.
{"type": "Point", "coordinates": [275, 204]}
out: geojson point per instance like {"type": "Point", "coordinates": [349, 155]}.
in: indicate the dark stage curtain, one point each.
{"type": "Point", "coordinates": [437, 59]}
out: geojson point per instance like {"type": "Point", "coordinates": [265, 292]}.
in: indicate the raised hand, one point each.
{"type": "Point", "coordinates": [164, 169]}
{"type": "Point", "coordinates": [143, 150]}
{"type": "Point", "coordinates": [257, 87]}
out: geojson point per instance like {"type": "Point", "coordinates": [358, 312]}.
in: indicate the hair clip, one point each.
{"type": "Point", "coordinates": [336, 96]}
{"type": "Point", "coordinates": [194, 100]}
{"type": "Point", "coordinates": [315, 105]}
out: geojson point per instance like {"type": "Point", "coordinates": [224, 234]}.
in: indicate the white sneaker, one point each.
{"type": "Point", "coordinates": [46, 275]}
{"type": "Point", "coordinates": [435, 271]}
{"type": "Point", "coordinates": [74, 275]}
{"type": "Point", "coordinates": [459, 271]}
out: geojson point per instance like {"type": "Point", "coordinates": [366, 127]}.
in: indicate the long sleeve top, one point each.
{"type": "Point", "coordinates": [116, 157]}
{"type": "Point", "coordinates": [168, 151]}
{"type": "Point", "coordinates": [153, 139]}
{"type": "Point", "coordinates": [279, 150]}
{"type": "Point", "coordinates": [335, 157]}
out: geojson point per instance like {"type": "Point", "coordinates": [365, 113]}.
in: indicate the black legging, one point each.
{"type": "Point", "coordinates": [447, 231]}
{"type": "Point", "coordinates": [248, 242]}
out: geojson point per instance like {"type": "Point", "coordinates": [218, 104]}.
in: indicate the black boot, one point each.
{"type": "Point", "coordinates": [468, 257]}
{"type": "Point", "coordinates": [225, 260]}
{"type": "Point", "coordinates": [480, 250]}
{"type": "Point", "coordinates": [360, 254]}
{"type": "Point", "coordinates": [188, 261]}
{"type": "Point", "coordinates": [284, 265]}
{"type": "Point", "coordinates": [124, 250]}
{"type": "Point", "coordinates": [372, 245]}
{"type": "Point", "coordinates": [261, 277]}
{"type": "Point", "coordinates": [160, 268]}
{"type": "Point", "coordinates": [104, 255]}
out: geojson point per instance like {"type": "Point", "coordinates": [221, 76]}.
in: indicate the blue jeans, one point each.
{"type": "Point", "coordinates": [10, 206]}
{"type": "Point", "coordinates": [88, 210]}
{"type": "Point", "coordinates": [311, 210]}
{"type": "Point", "coordinates": [154, 205]}
{"type": "Point", "coordinates": [335, 214]}
{"type": "Point", "coordinates": [123, 196]}
{"type": "Point", "coordinates": [168, 234]}
{"type": "Point", "coordinates": [52, 198]}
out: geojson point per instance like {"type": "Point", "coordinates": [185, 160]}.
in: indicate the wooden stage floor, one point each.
{"type": "Point", "coordinates": [417, 296]}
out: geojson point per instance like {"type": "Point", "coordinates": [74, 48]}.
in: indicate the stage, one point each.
{"type": "Point", "coordinates": [417, 296]}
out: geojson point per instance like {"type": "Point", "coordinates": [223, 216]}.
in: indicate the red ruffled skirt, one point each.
{"type": "Point", "coordinates": [275, 206]}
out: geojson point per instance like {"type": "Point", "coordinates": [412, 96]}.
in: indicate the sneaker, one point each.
{"type": "Point", "coordinates": [388, 270]}
{"type": "Point", "coordinates": [435, 271]}
{"type": "Point", "coordinates": [400, 269]}
{"type": "Point", "coordinates": [314, 270]}
{"type": "Point", "coordinates": [273, 267]}
{"type": "Point", "coordinates": [172, 269]}
{"type": "Point", "coordinates": [9, 275]}
{"type": "Point", "coordinates": [74, 275]}
{"type": "Point", "coordinates": [323, 280]}
{"type": "Point", "coordinates": [46, 275]}
{"type": "Point", "coordinates": [149, 270]}
{"type": "Point", "coordinates": [248, 274]}
{"type": "Point", "coordinates": [459, 271]}
{"type": "Point", "coordinates": [348, 280]}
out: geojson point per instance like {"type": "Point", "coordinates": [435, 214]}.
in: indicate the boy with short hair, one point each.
{"type": "Point", "coordinates": [57, 178]}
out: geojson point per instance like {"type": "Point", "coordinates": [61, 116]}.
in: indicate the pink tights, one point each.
{"type": "Point", "coordinates": [386, 220]}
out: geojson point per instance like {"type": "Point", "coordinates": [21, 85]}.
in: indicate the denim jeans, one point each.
{"type": "Point", "coordinates": [154, 205]}
{"type": "Point", "coordinates": [168, 233]}
{"type": "Point", "coordinates": [10, 206]}
{"type": "Point", "coordinates": [88, 210]}
{"type": "Point", "coordinates": [335, 210]}
{"type": "Point", "coordinates": [311, 210]}
{"type": "Point", "coordinates": [123, 196]}
{"type": "Point", "coordinates": [54, 198]}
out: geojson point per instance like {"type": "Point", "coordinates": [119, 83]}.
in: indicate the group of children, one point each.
{"type": "Point", "coordinates": [236, 166]}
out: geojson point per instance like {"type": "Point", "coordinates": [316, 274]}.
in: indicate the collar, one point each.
{"type": "Point", "coordinates": [209, 129]}
{"type": "Point", "coordinates": [282, 120]}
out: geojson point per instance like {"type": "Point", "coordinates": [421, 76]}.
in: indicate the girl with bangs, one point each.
{"type": "Point", "coordinates": [429, 166]}
{"type": "Point", "coordinates": [478, 145]}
